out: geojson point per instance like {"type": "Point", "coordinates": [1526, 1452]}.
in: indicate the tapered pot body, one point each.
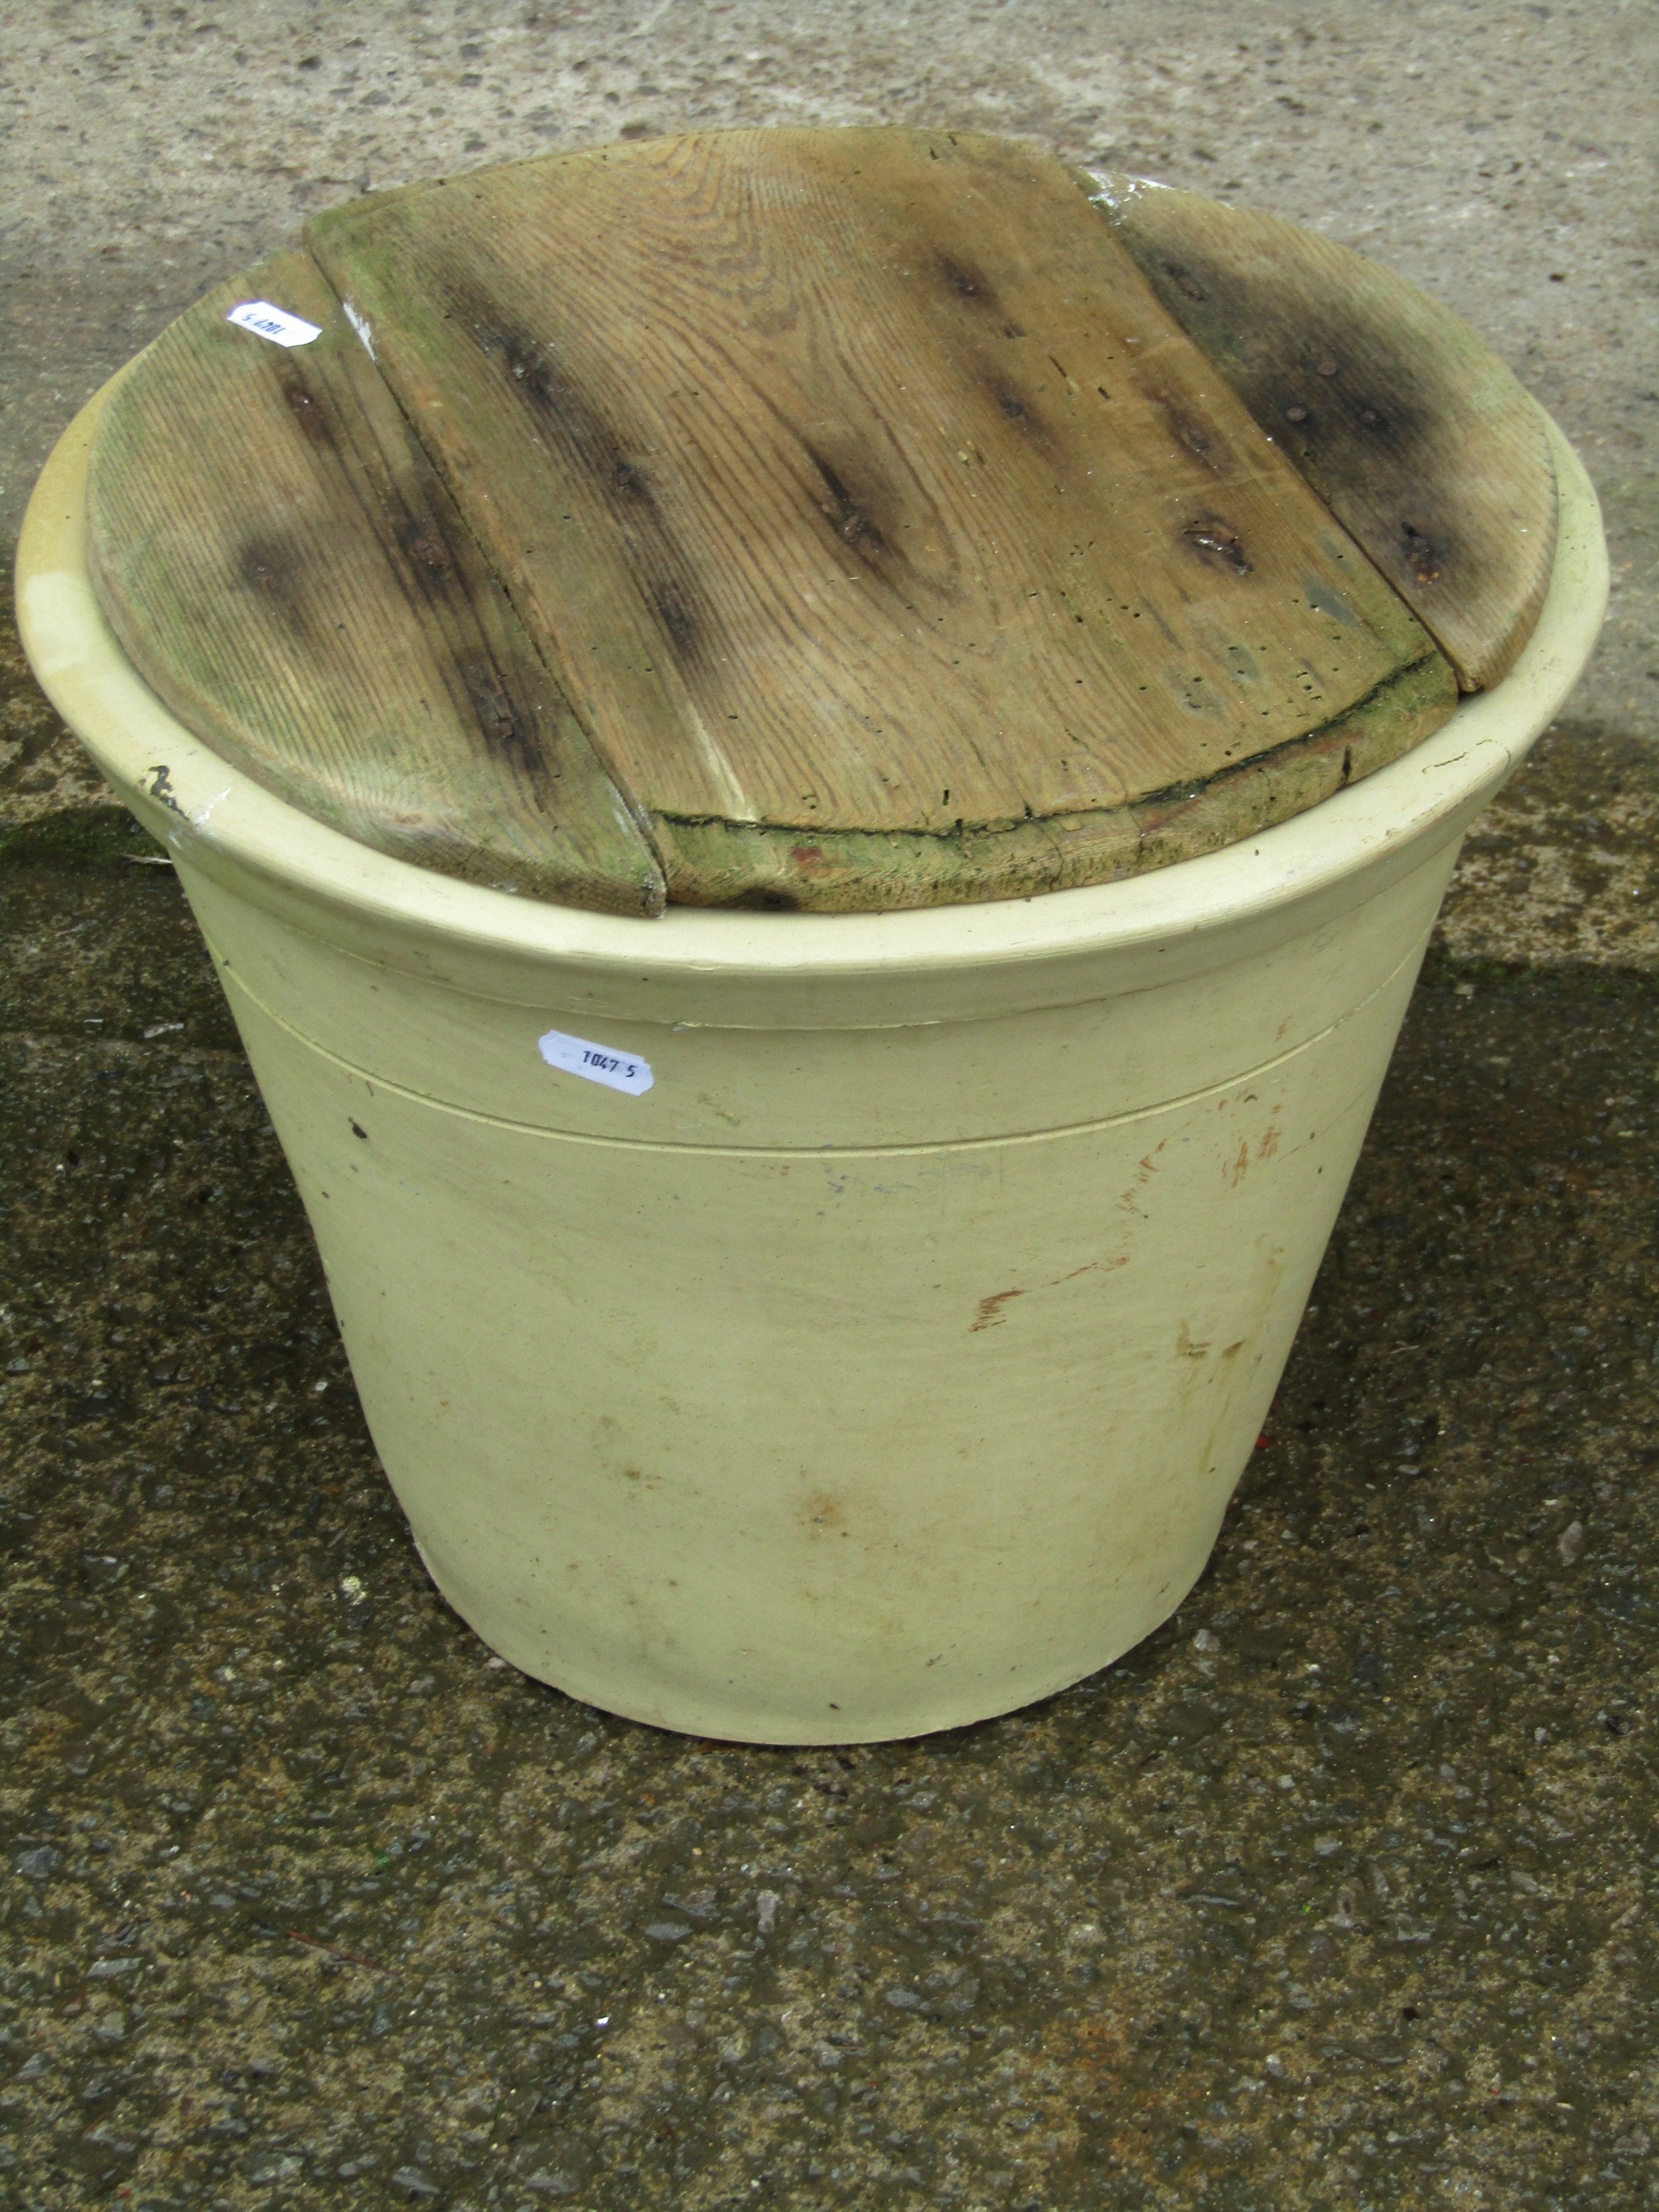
{"type": "Point", "coordinates": [810, 1328]}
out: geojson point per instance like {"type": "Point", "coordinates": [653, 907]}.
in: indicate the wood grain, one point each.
{"type": "Point", "coordinates": [287, 572]}
{"type": "Point", "coordinates": [855, 486]}
{"type": "Point", "coordinates": [1416, 435]}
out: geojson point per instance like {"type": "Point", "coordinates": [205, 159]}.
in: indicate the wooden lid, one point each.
{"type": "Point", "coordinates": [827, 519]}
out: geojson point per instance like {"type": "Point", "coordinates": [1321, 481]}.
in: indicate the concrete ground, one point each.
{"type": "Point", "coordinates": [1334, 1893]}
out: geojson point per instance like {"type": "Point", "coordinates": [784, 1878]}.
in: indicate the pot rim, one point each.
{"type": "Point", "coordinates": [214, 817]}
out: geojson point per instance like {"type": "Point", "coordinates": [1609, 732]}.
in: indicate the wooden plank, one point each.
{"type": "Point", "coordinates": [287, 572]}
{"type": "Point", "coordinates": [1414, 432]}
{"type": "Point", "coordinates": [854, 483]}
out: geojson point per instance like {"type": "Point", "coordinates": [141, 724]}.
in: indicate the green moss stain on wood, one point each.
{"type": "Point", "coordinates": [712, 863]}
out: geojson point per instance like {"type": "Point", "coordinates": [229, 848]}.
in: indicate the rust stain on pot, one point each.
{"type": "Point", "coordinates": [1146, 1170]}
{"type": "Point", "coordinates": [989, 1312]}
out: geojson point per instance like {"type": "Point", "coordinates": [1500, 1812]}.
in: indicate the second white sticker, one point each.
{"type": "Point", "coordinates": [599, 1063]}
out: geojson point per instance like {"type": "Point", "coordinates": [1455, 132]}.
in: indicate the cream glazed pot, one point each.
{"type": "Point", "coordinates": [884, 1355]}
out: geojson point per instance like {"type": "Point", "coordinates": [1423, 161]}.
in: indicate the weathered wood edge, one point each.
{"type": "Point", "coordinates": [1165, 230]}
{"type": "Point", "coordinates": [723, 864]}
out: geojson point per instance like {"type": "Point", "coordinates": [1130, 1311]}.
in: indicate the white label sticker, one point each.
{"type": "Point", "coordinates": [274, 323]}
{"type": "Point", "coordinates": [618, 1071]}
